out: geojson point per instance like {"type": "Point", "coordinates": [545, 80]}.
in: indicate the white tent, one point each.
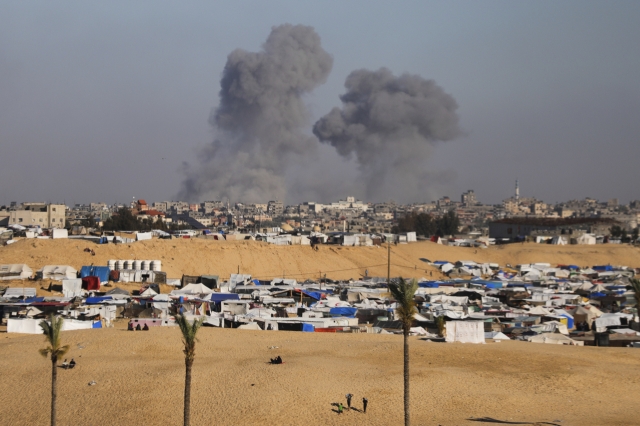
{"type": "Point", "coordinates": [15, 271]}
{"type": "Point", "coordinates": [465, 331]}
{"type": "Point", "coordinates": [140, 236]}
{"type": "Point", "coordinates": [148, 292]}
{"type": "Point", "coordinates": [72, 287]}
{"type": "Point", "coordinates": [586, 239]}
{"type": "Point", "coordinates": [59, 233]}
{"type": "Point", "coordinates": [192, 289]}
{"type": "Point", "coordinates": [554, 339]}
{"type": "Point", "coordinates": [496, 335]}
{"type": "Point", "coordinates": [558, 240]}
{"type": "Point", "coordinates": [538, 310]}
{"type": "Point", "coordinates": [17, 292]}
{"type": "Point", "coordinates": [250, 326]}
{"type": "Point", "coordinates": [57, 272]}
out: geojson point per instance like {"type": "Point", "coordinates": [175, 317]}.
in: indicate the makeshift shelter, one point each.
{"type": "Point", "coordinates": [102, 272]}
{"type": "Point", "coordinates": [18, 292]}
{"type": "Point", "coordinates": [57, 272]}
{"type": "Point", "coordinates": [91, 283]}
{"type": "Point", "coordinates": [16, 271]}
{"type": "Point", "coordinates": [465, 331]}
{"type": "Point", "coordinates": [558, 240]}
{"type": "Point", "coordinates": [72, 287]}
{"type": "Point", "coordinates": [193, 289]}
{"type": "Point", "coordinates": [554, 339]}
{"type": "Point", "coordinates": [211, 281]}
{"type": "Point", "coordinates": [588, 239]}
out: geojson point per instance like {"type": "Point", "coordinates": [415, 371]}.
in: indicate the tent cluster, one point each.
{"type": "Point", "coordinates": [561, 304]}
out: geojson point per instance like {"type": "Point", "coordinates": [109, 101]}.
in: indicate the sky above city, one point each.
{"type": "Point", "coordinates": [107, 101]}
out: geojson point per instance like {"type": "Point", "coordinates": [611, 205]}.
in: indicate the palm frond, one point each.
{"type": "Point", "coordinates": [51, 330]}
{"type": "Point", "coordinates": [189, 331]}
{"type": "Point", "coordinates": [404, 293]}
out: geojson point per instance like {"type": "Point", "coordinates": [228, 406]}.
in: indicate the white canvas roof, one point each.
{"type": "Point", "coordinates": [15, 271]}
{"type": "Point", "coordinates": [17, 292]}
{"type": "Point", "coordinates": [192, 289]}
{"type": "Point", "coordinates": [57, 272]}
{"type": "Point", "coordinates": [72, 287]}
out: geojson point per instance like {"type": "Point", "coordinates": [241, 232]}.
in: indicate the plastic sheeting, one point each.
{"type": "Point", "coordinates": [465, 331]}
{"type": "Point", "coordinates": [72, 287]}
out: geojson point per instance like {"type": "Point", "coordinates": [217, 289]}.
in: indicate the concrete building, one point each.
{"type": "Point", "coordinates": [469, 198]}
{"type": "Point", "coordinates": [39, 214]}
{"type": "Point", "coordinates": [275, 208]}
{"type": "Point", "coordinates": [515, 227]}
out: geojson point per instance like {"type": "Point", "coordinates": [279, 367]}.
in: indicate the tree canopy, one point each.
{"type": "Point", "coordinates": [426, 225]}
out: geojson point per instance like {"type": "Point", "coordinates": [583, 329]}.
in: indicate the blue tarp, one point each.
{"type": "Point", "coordinates": [314, 294]}
{"type": "Point", "coordinates": [256, 282]}
{"type": "Point", "coordinates": [96, 300]}
{"type": "Point", "coordinates": [102, 272]}
{"type": "Point", "coordinates": [309, 328]}
{"type": "Point", "coordinates": [493, 285]}
{"type": "Point", "coordinates": [221, 297]}
{"type": "Point", "coordinates": [440, 262]}
{"type": "Point", "coordinates": [103, 240]}
{"type": "Point", "coordinates": [34, 300]}
{"type": "Point", "coordinates": [344, 312]}
{"type": "Point", "coordinates": [597, 294]}
{"type": "Point", "coordinates": [97, 324]}
{"type": "Point", "coordinates": [603, 268]}
{"type": "Point", "coordinates": [429, 284]}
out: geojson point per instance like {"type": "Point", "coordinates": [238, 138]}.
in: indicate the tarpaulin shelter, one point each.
{"type": "Point", "coordinates": [102, 272]}
{"type": "Point", "coordinates": [72, 287]}
{"type": "Point", "coordinates": [57, 272]}
{"type": "Point", "coordinates": [91, 283]}
{"type": "Point", "coordinates": [465, 331]}
{"type": "Point", "coordinates": [17, 271]}
{"type": "Point", "coordinates": [344, 312]}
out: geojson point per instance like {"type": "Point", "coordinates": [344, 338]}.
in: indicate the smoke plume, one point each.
{"type": "Point", "coordinates": [390, 124]}
{"type": "Point", "coordinates": [259, 123]}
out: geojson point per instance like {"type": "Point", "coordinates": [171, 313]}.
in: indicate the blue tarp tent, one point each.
{"type": "Point", "coordinates": [429, 284]}
{"type": "Point", "coordinates": [97, 324]}
{"type": "Point", "coordinates": [221, 297]}
{"type": "Point", "coordinates": [313, 294]}
{"type": "Point", "coordinates": [309, 328]}
{"type": "Point", "coordinates": [493, 285]}
{"type": "Point", "coordinates": [344, 312]}
{"type": "Point", "coordinates": [440, 262]}
{"type": "Point", "coordinates": [597, 294]}
{"type": "Point", "coordinates": [603, 268]}
{"type": "Point", "coordinates": [102, 272]}
{"type": "Point", "coordinates": [96, 300]}
{"type": "Point", "coordinates": [34, 300]}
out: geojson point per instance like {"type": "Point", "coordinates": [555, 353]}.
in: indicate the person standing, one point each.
{"type": "Point", "coordinates": [349, 396]}
{"type": "Point", "coordinates": [365, 401]}
{"type": "Point", "coordinates": [340, 408]}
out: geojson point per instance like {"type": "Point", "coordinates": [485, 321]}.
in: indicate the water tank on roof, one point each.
{"type": "Point", "coordinates": [119, 264]}
{"type": "Point", "coordinates": [156, 265]}
{"type": "Point", "coordinates": [137, 265]}
{"type": "Point", "coordinates": [146, 265]}
{"type": "Point", "coordinates": [111, 264]}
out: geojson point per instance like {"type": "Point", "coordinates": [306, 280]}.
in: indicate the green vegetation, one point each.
{"type": "Point", "coordinates": [426, 225]}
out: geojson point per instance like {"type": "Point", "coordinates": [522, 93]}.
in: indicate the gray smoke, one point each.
{"type": "Point", "coordinates": [259, 123]}
{"type": "Point", "coordinates": [390, 123]}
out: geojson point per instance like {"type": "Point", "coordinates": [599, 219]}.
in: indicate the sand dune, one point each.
{"type": "Point", "coordinates": [140, 379]}
{"type": "Point", "coordinates": [197, 256]}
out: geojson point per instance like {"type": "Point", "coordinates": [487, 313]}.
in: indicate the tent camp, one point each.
{"type": "Point", "coordinates": [554, 339]}
{"type": "Point", "coordinates": [192, 289]}
{"type": "Point", "coordinates": [56, 272]}
{"type": "Point", "coordinates": [16, 271]}
{"type": "Point", "coordinates": [588, 239]}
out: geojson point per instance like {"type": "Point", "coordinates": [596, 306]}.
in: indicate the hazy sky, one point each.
{"type": "Point", "coordinates": [105, 101]}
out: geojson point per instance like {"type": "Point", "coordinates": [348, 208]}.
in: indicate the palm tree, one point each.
{"type": "Point", "coordinates": [404, 293]}
{"type": "Point", "coordinates": [189, 330]}
{"type": "Point", "coordinates": [635, 284]}
{"type": "Point", "coordinates": [52, 331]}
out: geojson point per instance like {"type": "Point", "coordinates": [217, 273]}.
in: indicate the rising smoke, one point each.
{"type": "Point", "coordinates": [390, 124]}
{"type": "Point", "coordinates": [259, 123]}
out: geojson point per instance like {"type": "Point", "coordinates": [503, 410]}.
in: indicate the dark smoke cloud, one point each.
{"type": "Point", "coordinates": [390, 124]}
{"type": "Point", "coordinates": [259, 123]}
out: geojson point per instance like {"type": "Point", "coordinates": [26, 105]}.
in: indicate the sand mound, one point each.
{"type": "Point", "coordinates": [140, 375]}
{"type": "Point", "coordinates": [198, 256]}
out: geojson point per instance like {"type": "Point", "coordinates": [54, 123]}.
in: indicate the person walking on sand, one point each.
{"type": "Point", "coordinates": [365, 401]}
{"type": "Point", "coordinates": [340, 408]}
{"type": "Point", "coordinates": [349, 396]}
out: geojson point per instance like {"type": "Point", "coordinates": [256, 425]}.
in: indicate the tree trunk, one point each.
{"type": "Point", "coordinates": [187, 392]}
{"type": "Point", "coordinates": [54, 382]}
{"type": "Point", "coordinates": [407, 416]}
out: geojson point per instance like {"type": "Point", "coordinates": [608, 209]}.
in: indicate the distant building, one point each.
{"type": "Point", "coordinates": [39, 214]}
{"type": "Point", "coordinates": [469, 198]}
{"type": "Point", "coordinates": [275, 208]}
{"type": "Point", "coordinates": [515, 227]}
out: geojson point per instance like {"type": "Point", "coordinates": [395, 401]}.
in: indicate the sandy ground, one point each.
{"type": "Point", "coordinates": [140, 379]}
{"type": "Point", "coordinates": [261, 260]}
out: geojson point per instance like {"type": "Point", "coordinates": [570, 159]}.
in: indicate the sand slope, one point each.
{"type": "Point", "coordinates": [197, 256]}
{"type": "Point", "coordinates": [140, 379]}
